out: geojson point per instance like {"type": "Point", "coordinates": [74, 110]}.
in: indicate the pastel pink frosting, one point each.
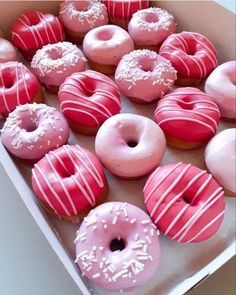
{"type": "Point", "coordinates": [7, 51]}
{"type": "Point", "coordinates": [107, 44]}
{"type": "Point", "coordinates": [82, 16]}
{"type": "Point", "coordinates": [130, 145]}
{"type": "Point", "coordinates": [32, 130]}
{"type": "Point", "coordinates": [145, 75]}
{"type": "Point", "coordinates": [53, 63]}
{"type": "Point", "coordinates": [151, 26]}
{"type": "Point", "coordinates": [220, 158]}
{"type": "Point", "coordinates": [221, 86]}
{"type": "Point", "coordinates": [110, 266]}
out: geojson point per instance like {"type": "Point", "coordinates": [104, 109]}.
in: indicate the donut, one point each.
{"type": "Point", "coordinates": [54, 62]}
{"type": "Point", "coordinates": [221, 161]}
{"type": "Point", "coordinates": [184, 202]}
{"type": "Point", "coordinates": [32, 130]}
{"type": "Point", "coordinates": [150, 27]}
{"type": "Point", "coordinates": [117, 246]}
{"type": "Point", "coordinates": [129, 145]}
{"type": "Point", "coordinates": [79, 17]}
{"type": "Point", "coordinates": [17, 86]}
{"type": "Point", "coordinates": [104, 47]}
{"type": "Point", "coordinates": [69, 182]}
{"type": "Point", "coordinates": [121, 11]}
{"type": "Point", "coordinates": [7, 51]}
{"type": "Point", "coordinates": [221, 86]}
{"type": "Point", "coordinates": [188, 117]}
{"type": "Point", "coordinates": [144, 76]}
{"type": "Point", "coordinates": [87, 99]}
{"type": "Point", "coordinates": [192, 54]}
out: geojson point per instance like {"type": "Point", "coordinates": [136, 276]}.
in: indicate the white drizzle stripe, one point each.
{"type": "Point", "coordinates": [49, 26]}
{"type": "Point", "coordinates": [31, 30]}
{"type": "Point", "coordinates": [175, 182]}
{"type": "Point", "coordinates": [83, 112]}
{"type": "Point", "coordinates": [57, 197]}
{"type": "Point", "coordinates": [31, 27]}
{"type": "Point", "coordinates": [150, 178]}
{"type": "Point", "coordinates": [14, 34]}
{"type": "Point", "coordinates": [60, 161]}
{"type": "Point", "coordinates": [164, 53]}
{"type": "Point", "coordinates": [62, 184]}
{"type": "Point", "coordinates": [45, 28]}
{"type": "Point", "coordinates": [181, 212]}
{"type": "Point", "coordinates": [25, 84]}
{"type": "Point", "coordinates": [3, 92]}
{"type": "Point", "coordinates": [106, 79]}
{"type": "Point", "coordinates": [202, 187]}
{"type": "Point", "coordinates": [60, 28]}
{"type": "Point", "coordinates": [17, 85]}
{"type": "Point", "coordinates": [208, 108]}
{"type": "Point", "coordinates": [179, 195]}
{"type": "Point", "coordinates": [206, 227]}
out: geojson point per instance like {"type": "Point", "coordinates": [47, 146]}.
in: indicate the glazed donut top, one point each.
{"type": "Point", "coordinates": [89, 98]}
{"type": "Point", "coordinates": [194, 55]}
{"type": "Point", "coordinates": [188, 113]}
{"type": "Point", "coordinates": [7, 51]}
{"type": "Point", "coordinates": [82, 16]}
{"type": "Point", "coordinates": [221, 86]}
{"type": "Point", "coordinates": [35, 29]}
{"type": "Point", "coordinates": [17, 86]}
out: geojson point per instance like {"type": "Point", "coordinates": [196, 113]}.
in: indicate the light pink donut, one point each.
{"type": "Point", "coordinates": [32, 130]}
{"type": "Point", "coordinates": [220, 158]}
{"type": "Point", "coordinates": [107, 44]}
{"type": "Point", "coordinates": [83, 16]}
{"type": "Point", "coordinates": [130, 145]}
{"type": "Point", "coordinates": [145, 75]}
{"type": "Point", "coordinates": [117, 246]}
{"type": "Point", "coordinates": [7, 51]}
{"type": "Point", "coordinates": [55, 62]}
{"type": "Point", "coordinates": [151, 26]}
{"type": "Point", "coordinates": [221, 86]}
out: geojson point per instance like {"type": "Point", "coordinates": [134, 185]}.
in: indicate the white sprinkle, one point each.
{"type": "Point", "coordinates": [114, 220]}
{"type": "Point", "coordinates": [97, 275]}
{"type": "Point", "coordinates": [92, 222]}
{"type": "Point", "coordinates": [136, 237]}
{"type": "Point", "coordinates": [119, 274]}
{"type": "Point", "coordinates": [133, 220]}
{"type": "Point", "coordinates": [148, 239]}
{"type": "Point", "coordinates": [145, 221]}
{"type": "Point", "coordinates": [145, 230]}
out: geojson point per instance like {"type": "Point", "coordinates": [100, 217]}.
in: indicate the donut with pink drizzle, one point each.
{"type": "Point", "coordinates": [184, 202]}
{"type": "Point", "coordinates": [7, 51]}
{"type": "Point", "coordinates": [188, 117]}
{"type": "Point", "coordinates": [221, 86]}
{"type": "Point", "coordinates": [53, 63]}
{"type": "Point", "coordinates": [117, 246]}
{"type": "Point", "coordinates": [104, 47]}
{"type": "Point", "coordinates": [144, 76]}
{"type": "Point", "coordinates": [69, 182]}
{"type": "Point", "coordinates": [87, 99]}
{"type": "Point", "coordinates": [192, 54]}
{"type": "Point", "coordinates": [17, 86]}
{"type": "Point", "coordinates": [121, 11]}
{"type": "Point", "coordinates": [150, 27]}
{"type": "Point", "coordinates": [79, 17]}
{"type": "Point", "coordinates": [33, 30]}
{"type": "Point", "coordinates": [32, 130]}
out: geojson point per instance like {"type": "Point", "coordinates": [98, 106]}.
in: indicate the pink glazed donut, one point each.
{"type": "Point", "coordinates": [129, 145]}
{"type": "Point", "coordinates": [117, 246]}
{"type": "Point", "coordinates": [184, 202]}
{"type": "Point", "coordinates": [55, 62]}
{"type": "Point", "coordinates": [104, 47]}
{"type": "Point", "coordinates": [7, 51]}
{"type": "Point", "coordinates": [150, 27]}
{"type": "Point", "coordinates": [79, 17]}
{"type": "Point", "coordinates": [32, 130]}
{"type": "Point", "coordinates": [144, 76]}
{"type": "Point", "coordinates": [221, 86]}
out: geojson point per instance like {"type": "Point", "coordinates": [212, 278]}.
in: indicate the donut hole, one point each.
{"type": "Point", "coordinates": [55, 54]}
{"type": "Point", "coordinates": [185, 105]}
{"type": "Point", "coordinates": [191, 49]}
{"type": "Point", "coordinates": [29, 126]}
{"type": "Point", "coordinates": [87, 92]}
{"type": "Point", "coordinates": [34, 21]}
{"type": "Point", "coordinates": [105, 35]}
{"type": "Point", "coordinates": [117, 245]}
{"type": "Point", "coordinates": [132, 143]}
{"type": "Point", "coordinates": [151, 18]}
{"type": "Point", "coordinates": [8, 83]}
{"type": "Point", "coordinates": [186, 200]}
{"type": "Point", "coordinates": [81, 5]}
{"type": "Point", "coordinates": [147, 64]}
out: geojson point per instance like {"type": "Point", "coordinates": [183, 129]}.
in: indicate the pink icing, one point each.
{"type": "Point", "coordinates": [32, 130]}
{"type": "Point", "coordinates": [220, 157]}
{"type": "Point", "coordinates": [82, 16]}
{"type": "Point", "coordinates": [221, 86]}
{"type": "Point", "coordinates": [107, 44]}
{"type": "Point", "coordinates": [145, 75]}
{"type": "Point", "coordinates": [184, 202]}
{"type": "Point", "coordinates": [108, 265]}
{"type": "Point", "coordinates": [135, 148]}
{"type": "Point", "coordinates": [7, 51]}
{"type": "Point", "coordinates": [54, 62]}
{"type": "Point", "coordinates": [151, 26]}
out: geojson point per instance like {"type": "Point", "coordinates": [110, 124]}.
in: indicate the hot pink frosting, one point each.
{"type": "Point", "coordinates": [220, 157]}
{"type": "Point", "coordinates": [82, 16]}
{"type": "Point", "coordinates": [130, 145]}
{"type": "Point", "coordinates": [145, 75]}
{"type": "Point", "coordinates": [221, 86]}
{"type": "Point", "coordinates": [107, 44]}
{"type": "Point", "coordinates": [7, 51]}
{"type": "Point", "coordinates": [54, 62]}
{"type": "Point", "coordinates": [184, 202]}
{"type": "Point", "coordinates": [134, 263]}
{"type": "Point", "coordinates": [32, 130]}
{"type": "Point", "coordinates": [151, 26]}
